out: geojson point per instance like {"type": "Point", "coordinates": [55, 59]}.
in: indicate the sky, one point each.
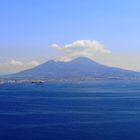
{"type": "Point", "coordinates": [34, 31]}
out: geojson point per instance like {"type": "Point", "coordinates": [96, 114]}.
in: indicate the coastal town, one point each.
{"type": "Point", "coordinates": [41, 81]}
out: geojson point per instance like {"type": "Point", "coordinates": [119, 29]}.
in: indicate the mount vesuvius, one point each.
{"type": "Point", "coordinates": [81, 68]}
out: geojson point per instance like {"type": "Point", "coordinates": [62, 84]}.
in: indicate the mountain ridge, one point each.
{"type": "Point", "coordinates": [79, 68]}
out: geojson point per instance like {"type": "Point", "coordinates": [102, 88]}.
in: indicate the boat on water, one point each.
{"type": "Point", "coordinates": [38, 82]}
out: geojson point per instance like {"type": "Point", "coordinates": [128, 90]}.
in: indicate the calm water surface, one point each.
{"type": "Point", "coordinates": [99, 110]}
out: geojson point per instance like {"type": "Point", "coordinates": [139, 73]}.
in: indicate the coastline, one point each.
{"type": "Point", "coordinates": [41, 81]}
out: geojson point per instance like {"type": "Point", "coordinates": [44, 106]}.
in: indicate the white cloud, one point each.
{"type": "Point", "coordinates": [33, 63]}
{"type": "Point", "coordinates": [56, 46]}
{"type": "Point", "coordinates": [16, 63]}
{"type": "Point", "coordinates": [78, 48]}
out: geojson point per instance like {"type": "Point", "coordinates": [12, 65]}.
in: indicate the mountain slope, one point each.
{"type": "Point", "coordinates": [81, 67]}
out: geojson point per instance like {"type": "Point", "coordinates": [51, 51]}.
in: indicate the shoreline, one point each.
{"type": "Point", "coordinates": [42, 81]}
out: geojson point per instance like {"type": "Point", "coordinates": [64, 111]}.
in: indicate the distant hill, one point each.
{"type": "Point", "coordinates": [81, 68]}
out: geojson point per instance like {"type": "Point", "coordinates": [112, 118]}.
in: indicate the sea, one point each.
{"type": "Point", "coordinates": [95, 110]}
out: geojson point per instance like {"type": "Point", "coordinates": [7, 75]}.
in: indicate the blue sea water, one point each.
{"type": "Point", "coordinates": [98, 110]}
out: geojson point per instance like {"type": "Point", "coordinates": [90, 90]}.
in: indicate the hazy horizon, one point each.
{"type": "Point", "coordinates": [33, 32]}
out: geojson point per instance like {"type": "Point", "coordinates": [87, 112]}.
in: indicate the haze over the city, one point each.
{"type": "Point", "coordinates": [34, 31]}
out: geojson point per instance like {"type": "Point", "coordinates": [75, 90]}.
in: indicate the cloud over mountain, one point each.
{"type": "Point", "coordinates": [78, 48]}
{"type": "Point", "coordinates": [15, 64]}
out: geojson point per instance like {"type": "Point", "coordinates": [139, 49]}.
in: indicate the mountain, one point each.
{"type": "Point", "coordinates": [79, 68]}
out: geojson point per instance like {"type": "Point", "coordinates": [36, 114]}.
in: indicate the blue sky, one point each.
{"type": "Point", "coordinates": [28, 27]}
